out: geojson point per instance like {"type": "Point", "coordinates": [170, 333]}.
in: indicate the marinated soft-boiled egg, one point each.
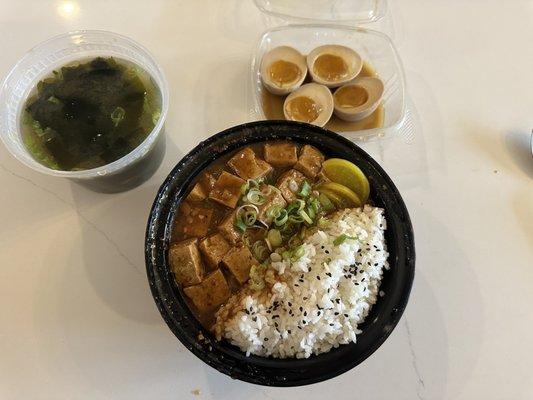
{"type": "Point", "coordinates": [358, 99]}
{"type": "Point", "coordinates": [283, 69]}
{"type": "Point", "coordinates": [311, 103]}
{"type": "Point", "coordinates": [333, 65]}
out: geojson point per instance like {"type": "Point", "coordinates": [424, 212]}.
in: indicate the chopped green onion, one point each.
{"type": "Point", "coordinates": [118, 115]}
{"type": "Point", "coordinates": [274, 238]}
{"type": "Point", "coordinates": [256, 277]}
{"type": "Point", "coordinates": [326, 203]}
{"type": "Point", "coordinates": [259, 250]}
{"type": "Point", "coordinates": [274, 212]}
{"type": "Point", "coordinates": [281, 218]}
{"type": "Point", "coordinates": [240, 225]}
{"type": "Point", "coordinates": [323, 222]}
{"type": "Point", "coordinates": [315, 205]}
{"type": "Point", "coordinates": [298, 252]}
{"type": "Point", "coordinates": [247, 213]}
{"type": "Point", "coordinates": [54, 100]}
{"type": "Point", "coordinates": [311, 212]}
{"type": "Point", "coordinates": [255, 196]}
{"type": "Point", "coordinates": [249, 218]}
{"type": "Point", "coordinates": [296, 219]}
{"type": "Point", "coordinates": [342, 238]}
{"type": "Point", "coordinates": [305, 190]}
{"type": "Point", "coordinates": [305, 217]}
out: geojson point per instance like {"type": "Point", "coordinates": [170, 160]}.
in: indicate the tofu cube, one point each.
{"type": "Point", "coordinates": [247, 166]}
{"type": "Point", "coordinates": [227, 189]}
{"type": "Point", "coordinates": [207, 180]}
{"type": "Point", "coordinates": [211, 293]}
{"type": "Point", "coordinates": [281, 154]}
{"type": "Point", "coordinates": [194, 220]}
{"type": "Point", "coordinates": [238, 261]}
{"type": "Point", "coordinates": [264, 167]}
{"type": "Point", "coordinates": [213, 249]}
{"type": "Point", "coordinates": [197, 193]}
{"type": "Point", "coordinates": [310, 161]}
{"type": "Point", "coordinates": [290, 183]}
{"type": "Point", "coordinates": [274, 198]}
{"type": "Point", "coordinates": [228, 230]}
{"type": "Point", "coordinates": [186, 263]}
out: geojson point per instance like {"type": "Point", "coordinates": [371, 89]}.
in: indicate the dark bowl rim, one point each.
{"type": "Point", "coordinates": [163, 196]}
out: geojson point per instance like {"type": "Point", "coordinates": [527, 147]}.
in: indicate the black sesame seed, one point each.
{"type": "Point", "coordinates": [336, 313]}
{"type": "Point", "coordinates": [337, 301]}
{"type": "Point", "coordinates": [301, 280]}
{"type": "Point", "coordinates": [301, 308]}
{"type": "Point", "coordinates": [356, 283]}
{"type": "Point", "coordinates": [327, 252]}
{"type": "Point", "coordinates": [289, 331]}
{"type": "Point", "coordinates": [305, 313]}
{"type": "Point", "coordinates": [375, 264]}
{"type": "Point", "coordinates": [266, 339]}
{"type": "Point", "coordinates": [254, 319]}
{"type": "Point", "coordinates": [290, 304]}
{"type": "Point", "coordinates": [318, 277]}
{"type": "Point", "coordinates": [330, 324]}
{"type": "Point", "coordinates": [296, 285]}
{"type": "Point", "coordinates": [362, 280]}
{"type": "Point", "coordinates": [305, 298]}
{"type": "Point", "coordinates": [299, 327]}
{"type": "Point", "coordinates": [346, 315]}
{"type": "Point", "coordinates": [328, 274]}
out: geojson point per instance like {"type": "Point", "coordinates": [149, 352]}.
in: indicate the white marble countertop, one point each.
{"type": "Point", "coordinates": [78, 320]}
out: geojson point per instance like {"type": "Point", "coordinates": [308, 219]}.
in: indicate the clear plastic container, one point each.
{"type": "Point", "coordinates": [54, 53]}
{"type": "Point", "coordinates": [374, 47]}
{"type": "Point", "coordinates": [335, 11]}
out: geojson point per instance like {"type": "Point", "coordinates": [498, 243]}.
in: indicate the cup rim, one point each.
{"type": "Point", "coordinates": [123, 161]}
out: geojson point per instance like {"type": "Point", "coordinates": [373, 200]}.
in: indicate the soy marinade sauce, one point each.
{"type": "Point", "coordinates": [88, 114]}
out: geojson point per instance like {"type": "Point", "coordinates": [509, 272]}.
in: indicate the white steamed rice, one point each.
{"type": "Point", "coordinates": [315, 303]}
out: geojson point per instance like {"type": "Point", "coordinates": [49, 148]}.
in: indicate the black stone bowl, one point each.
{"type": "Point", "coordinates": [223, 356]}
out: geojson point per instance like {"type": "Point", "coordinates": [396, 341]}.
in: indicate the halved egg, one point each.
{"type": "Point", "coordinates": [311, 103]}
{"type": "Point", "coordinates": [358, 99]}
{"type": "Point", "coordinates": [283, 70]}
{"type": "Point", "coordinates": [334, 65]}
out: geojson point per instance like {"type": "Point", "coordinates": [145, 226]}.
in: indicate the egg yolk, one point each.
{"type": "Point", "coordinates": [351, 96]}
{"type": "Point", "coordinates": [283, 72]}
{"type": "Point", "coordinates": [330, 67]}
{"type": "Point", "coordinates": [303, 108]}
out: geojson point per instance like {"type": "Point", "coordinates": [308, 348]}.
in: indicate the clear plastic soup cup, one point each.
{"type": "Point", "coordinates": [374, 47]}
{"type": "Point", "coordinates": [54, 53]}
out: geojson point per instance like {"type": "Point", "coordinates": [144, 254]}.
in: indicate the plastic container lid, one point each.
{"type": "Point", "coordinates": [333, 11]}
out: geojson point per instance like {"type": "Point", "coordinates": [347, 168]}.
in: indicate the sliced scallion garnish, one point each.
{"type": "Point", "coordinates": [305, 189]}
{"type": "Point", "coordinates": [342, 238]}
{"type": "Point", "coordinates": [274, 238]}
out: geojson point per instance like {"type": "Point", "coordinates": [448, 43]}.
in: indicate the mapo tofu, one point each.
{"type": "Point", "coordinates": [241, 206]}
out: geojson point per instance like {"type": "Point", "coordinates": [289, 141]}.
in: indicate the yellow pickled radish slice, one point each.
{"type": "Point", "coordinates": [349, 197]}
{"type": "Point", "coordinates": [347, 174]}
{"type": "Point", "coordinates": [337, 201]}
